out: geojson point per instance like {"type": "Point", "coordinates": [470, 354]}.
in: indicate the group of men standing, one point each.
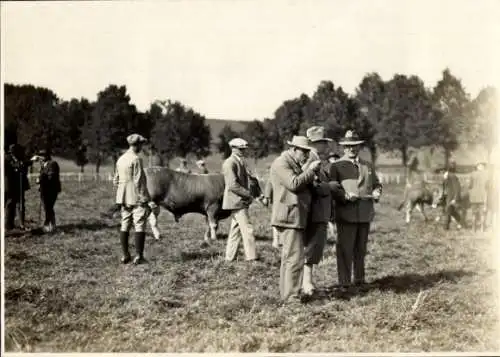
{"type": "Point", "coordinates": [16, 168]}
{"type": "Point", "coordinates": [305, 189]}
{"type": "Point", "coordinates": [309, 191]}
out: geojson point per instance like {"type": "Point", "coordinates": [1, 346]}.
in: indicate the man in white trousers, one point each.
{"type": "Point", "coordinates": [237, 198]}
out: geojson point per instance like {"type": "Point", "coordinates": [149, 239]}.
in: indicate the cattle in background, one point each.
{"type": "Point", "coordinates": [181, 193]}
{"type": "Point", "coordinates": [417, 197]}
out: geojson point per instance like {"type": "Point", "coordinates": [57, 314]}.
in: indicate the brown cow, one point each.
{"type": "Point", "coordinates": [181, 193]}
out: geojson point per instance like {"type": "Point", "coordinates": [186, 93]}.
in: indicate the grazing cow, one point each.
{"type": "Point", "coordinates": [181, 193]}
{"type": "Point", "coordinates": [417, 196]}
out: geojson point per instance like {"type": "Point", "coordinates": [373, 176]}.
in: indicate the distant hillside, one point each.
{"type": "Point", "coordinates": [216, 126]}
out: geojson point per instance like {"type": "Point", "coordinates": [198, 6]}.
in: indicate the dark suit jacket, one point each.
{"type": "Point", "coordinates": [361, 181]}
{"type": "Point", "coordinates": [451, 188]}
{"type": "Point", "coordinates": [50, 182]}
{"type": "Point", "coordinates": [15, 176]}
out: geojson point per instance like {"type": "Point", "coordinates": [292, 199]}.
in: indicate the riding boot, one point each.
{"type": "Point", "coordinates": [140, 238]}
{"type": "Point", "coordinates": [124, 243]}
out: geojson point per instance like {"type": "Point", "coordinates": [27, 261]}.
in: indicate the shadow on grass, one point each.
{"type": "Point", "coordinates": [405, 283]}
{"type": "Point", "coordinates": [86, 226]}
{"type": "Point", "coordinates": [415, 282]}
{"type": "Point", "coordinates": [223, 236]}
{"type": "Point", "coordinates": [197, 255]}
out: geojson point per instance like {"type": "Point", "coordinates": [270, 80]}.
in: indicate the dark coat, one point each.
{"type": "Point", "coordinates": [451, 188]}
{"type": "Point", "coordinates": [15, 176]}
{"type": "Point", "coordinates": [49, 179]}
{"type": "Point", "coordinates": [362, 181]}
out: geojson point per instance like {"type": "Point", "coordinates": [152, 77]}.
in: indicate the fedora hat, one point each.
{"type": "Point", "coordinates": [351, 138]}
{"type": "Point", "coordinates": [316, 134]}
{"type": "Point", "coordinates": [300, 142]}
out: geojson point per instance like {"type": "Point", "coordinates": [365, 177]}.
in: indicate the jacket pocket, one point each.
{"type": "Point", "coordinates": [288, 213]}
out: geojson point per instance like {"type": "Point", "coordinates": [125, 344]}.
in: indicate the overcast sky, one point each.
{"type": "Point", "coordinates": [242, 59]}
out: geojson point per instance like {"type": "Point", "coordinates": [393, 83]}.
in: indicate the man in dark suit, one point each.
{"type": "Point", "coordinates": [237, 198]}
{"type": "Point", "coordinates": [354, 210]}
{"type": "Point", "coordinates": [321, 206]}
{"type": "Point", "coordinates": [50, 187]}
{"type": "Point", "coordinates": [16, 184]}
{"type": "Point", "coordinates": [452, 192]}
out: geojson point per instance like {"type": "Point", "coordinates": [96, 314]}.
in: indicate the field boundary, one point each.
{"type": "Point", "coordinates": [385, 178]}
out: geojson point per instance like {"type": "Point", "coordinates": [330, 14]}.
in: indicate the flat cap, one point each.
{"type": "Point", "coordinates": [238, 143]}
{"type": "Point", "coordinates": [133, 139]}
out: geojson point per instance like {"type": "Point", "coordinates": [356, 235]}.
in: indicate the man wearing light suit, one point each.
{"type": "Point", "coordinates": [290, 212]}
{"type": "Point", "coordinates": [354, 209]}
{"type": "Point", "coordinates": [133, 197]}
{"type": "Point", "coordinates": [237, 198]}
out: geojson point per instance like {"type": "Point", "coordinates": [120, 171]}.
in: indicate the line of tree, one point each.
{"type": "Point", "coordinates": [392, 115]}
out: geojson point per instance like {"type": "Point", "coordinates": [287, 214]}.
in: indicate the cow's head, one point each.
{"type": "Point", "coordinates": [254, 187]}
{"type": "Point", "coordinates": [437, 197]}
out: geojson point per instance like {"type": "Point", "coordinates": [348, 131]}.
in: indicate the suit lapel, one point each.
{"type": "Point", "coordinates": [293, 164]}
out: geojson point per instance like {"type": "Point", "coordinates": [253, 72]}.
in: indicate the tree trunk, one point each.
{"type": "Point", "coordinates": [97, 166]}
{"type": "Point", "coordinates": [81, 168]}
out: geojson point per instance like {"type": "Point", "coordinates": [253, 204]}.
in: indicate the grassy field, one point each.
{"type": "Point", "coordinates": [432, 290]}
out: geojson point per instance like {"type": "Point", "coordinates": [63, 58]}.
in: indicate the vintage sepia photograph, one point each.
{"type": "Point", "coordinates": [250, 176]}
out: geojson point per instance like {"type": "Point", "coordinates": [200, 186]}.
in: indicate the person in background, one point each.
{"type": "Point", "coordinates": [202, 167]}
{"type": "Point", "coordinates": [478, 194]}
{"type": "Point", "coordinates": [16, 169]}
{"type": "Point", "coordinates": [50, 187]}
{"type": "Point", "coordinates": [183, 167]}
{"type": "Point", "coordinates": [451, 192]}
{"type": "Point", "coordinates": [154, 158]}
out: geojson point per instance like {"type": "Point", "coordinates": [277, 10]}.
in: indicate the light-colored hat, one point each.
{"type": "Point", "coordinates": [238, 143]}
{"type": "Point", "coordinates": [316, 134]}
{"type": "Point", "coordinates": [351, 138]}
{"type": "Point", "coordinates": [133, 139]}
{"type": "Point", "coordinates": [300, 142]}
{"type": "Point", "coordinates": [200, 162]}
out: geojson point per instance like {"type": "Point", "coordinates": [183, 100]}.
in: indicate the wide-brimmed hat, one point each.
{"type": "Point", "coordinates": [316, 134]}
{"type": "Point", "coordinates": [300, 142]}
{"type": "Point", "coordinates": [134, 139]}
{"type": "Point", "coordinates": [238, 143]}
{"type": "Point", "coordinates": [351, 138]}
